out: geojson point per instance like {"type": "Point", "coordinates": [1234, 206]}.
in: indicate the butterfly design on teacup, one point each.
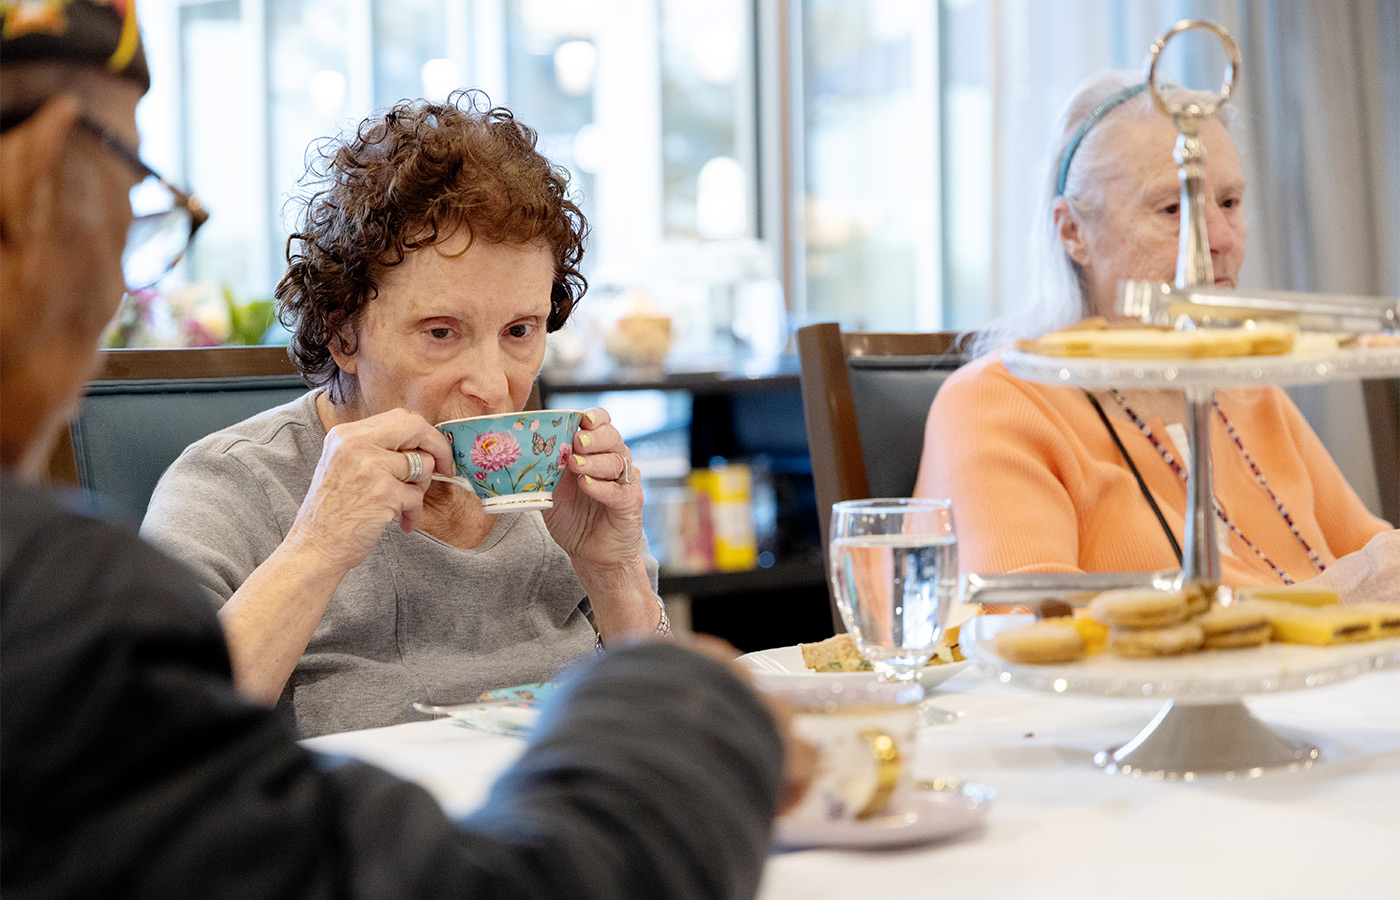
{"type": "Point", "coordinates": [541, 446]}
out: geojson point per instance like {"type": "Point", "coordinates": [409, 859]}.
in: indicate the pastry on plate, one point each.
{"type": "Point", "coordinates": [1385, 618]}
{"type": "Point", "coordinates": [835, 654]}
{"type": "Point", "coordinates": [1231, 627]}
{"type": "Point", "coordinates": [1141, 643]}
{"type": "Point", "coordinates": [1040, 643]}
{"type": "Point", "coordinates": [1139, 608]}
{"type": "Point", "coordinates": [1290, 593]}
{"type": "Point", "coordinates": [1319, 626]}
{"type": "Point", "coordinates": [839, 653]}
{"type": "Point", "coordinates": [1153, 343]}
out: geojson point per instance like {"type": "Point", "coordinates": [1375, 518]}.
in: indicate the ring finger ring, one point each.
{"type": "Point", "coordinates": [415, 465]}
{"type": "Point", "coordinates": [627, 477]}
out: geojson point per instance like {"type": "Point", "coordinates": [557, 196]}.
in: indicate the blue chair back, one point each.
{"type": "Point", "coordinates": [130, 428]}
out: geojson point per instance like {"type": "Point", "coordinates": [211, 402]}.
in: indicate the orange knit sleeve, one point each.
{"type": "Point", "coordinates": [1344, 519]}
{"type": "Point", "coordinates": [993, 449]}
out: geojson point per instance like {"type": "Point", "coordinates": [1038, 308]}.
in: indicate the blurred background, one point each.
{"type": "Point", "coordinates": [750, 166]}
{"type": "Point", "coordinates": [753, 165]}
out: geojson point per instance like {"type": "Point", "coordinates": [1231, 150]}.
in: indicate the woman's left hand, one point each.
{"type": "Point", "coordinates": [597, 515]}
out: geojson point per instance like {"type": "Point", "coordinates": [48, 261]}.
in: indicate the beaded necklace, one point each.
{"type": "Point", "coordinates": [1170, 459]}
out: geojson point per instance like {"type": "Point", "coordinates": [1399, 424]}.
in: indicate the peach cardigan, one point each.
{"type": "Point", "coordinates": [1038, 486]}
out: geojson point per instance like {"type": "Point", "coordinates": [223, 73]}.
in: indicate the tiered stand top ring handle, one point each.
{"type": "Point", "coordinates": [1193, 265]}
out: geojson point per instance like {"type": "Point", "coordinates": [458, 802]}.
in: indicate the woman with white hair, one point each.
{"type": "Point", "coordinates": [1055, 479]}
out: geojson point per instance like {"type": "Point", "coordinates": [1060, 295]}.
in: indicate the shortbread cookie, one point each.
{"type": "Point", "coordinates": [1140, 643]}
{"type": "Point", "coordinates": [1139, 608]}
{"type": "Point", "coordinates": [1040, 643]}
{"type": "Point", "coordinates": [1238, 625]}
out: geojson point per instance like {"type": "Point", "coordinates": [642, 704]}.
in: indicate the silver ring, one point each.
{"type": "Point", "coordinates": [627, 477]}
{"type": "Point", "coordinates": [415, 465]}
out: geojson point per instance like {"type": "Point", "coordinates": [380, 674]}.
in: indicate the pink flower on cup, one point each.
{"type": "Point", "coordinates": [495, 450]}
{"type": "Point", "coordinates": [480, 476]}
{"type": "Point", "coordinates": [564, 453]}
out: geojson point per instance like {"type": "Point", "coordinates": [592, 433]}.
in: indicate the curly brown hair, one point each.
{"type": "Point", "coordinates": [410, 178]}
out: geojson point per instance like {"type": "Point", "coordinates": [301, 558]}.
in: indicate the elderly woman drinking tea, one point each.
{"type": "Point", "coordinates": [1055, 479]}
{"type": "Point", "coordinates": [437, 247]}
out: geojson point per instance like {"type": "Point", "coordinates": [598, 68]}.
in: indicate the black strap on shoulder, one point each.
{"type": "Point", "coordinates": [1142, 485]}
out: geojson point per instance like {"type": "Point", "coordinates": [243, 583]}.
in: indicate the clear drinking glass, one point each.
{"type": "Point", "coordinates": [894, 570]}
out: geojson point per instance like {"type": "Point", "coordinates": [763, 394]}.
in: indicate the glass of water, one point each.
{"type": "Point", "coordinates": [894, 570]}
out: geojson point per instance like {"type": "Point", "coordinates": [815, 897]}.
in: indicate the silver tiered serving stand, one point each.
{"type": "Point", "coordinates": [1204, 726]}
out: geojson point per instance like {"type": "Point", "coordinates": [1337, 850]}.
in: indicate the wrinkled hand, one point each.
{"type": "Point", "coordinates": [1371, 573]}
{"type": "Point", "coordinates": [799, 757]}
{"type": "Point", "coordinates": [597, 516]}
{"type": "Point", "coordinates": [360, 486]}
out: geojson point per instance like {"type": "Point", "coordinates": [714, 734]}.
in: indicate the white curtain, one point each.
{"type": "Point", "coordinates": [1318, 126]}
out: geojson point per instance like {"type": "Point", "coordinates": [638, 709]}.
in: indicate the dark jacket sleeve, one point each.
{"type": "Point", "coordinates": [656, 774]}
{"type": "Point", "coordinates": [130, 767]}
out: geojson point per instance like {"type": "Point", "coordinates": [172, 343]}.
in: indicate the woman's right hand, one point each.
{"type": "Point", "coordinates": [360, 486]}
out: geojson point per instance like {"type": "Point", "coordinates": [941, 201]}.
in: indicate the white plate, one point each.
{"type": "Point", "coordinates": [922, 816]}
{"type": "Point", "coordinates": [1205, 677]}
{"type": "Point", "coordinates": [783, 666]}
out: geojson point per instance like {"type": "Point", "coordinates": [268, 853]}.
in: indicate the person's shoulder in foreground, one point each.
{"type": "Point", "coordinates": [132, 767]}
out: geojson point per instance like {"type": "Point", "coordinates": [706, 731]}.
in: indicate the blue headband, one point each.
{"type": "Point", "coordinates": [1107, 106]}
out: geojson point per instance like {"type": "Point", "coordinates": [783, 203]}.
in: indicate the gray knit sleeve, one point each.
{"type": "Point", "coordinates": [210, 512]}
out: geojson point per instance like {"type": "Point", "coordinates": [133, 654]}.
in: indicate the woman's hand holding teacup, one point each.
{"type": "Point", "coordinates": [597, 519]}
{"type": "Point", "coordinates": [361, 484]}
{"type": "Point", "coordinates": [597, 516]}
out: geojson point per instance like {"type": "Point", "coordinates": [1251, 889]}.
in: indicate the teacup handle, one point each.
{"type": "Point", "coordinates": [885, 750]}
{"type": "Point", "coordinates": [452, 479]}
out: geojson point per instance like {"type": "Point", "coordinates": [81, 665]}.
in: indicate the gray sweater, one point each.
{"type": "Point", "coordinates": [417, 620]}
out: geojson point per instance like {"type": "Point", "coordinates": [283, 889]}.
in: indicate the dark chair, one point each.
{"type": "Point", "coordinates": [146, 406]}
{"type": "Point", "coordinates": [866, 396]}
{"type": "Point", "coordinates": [1383, 413]}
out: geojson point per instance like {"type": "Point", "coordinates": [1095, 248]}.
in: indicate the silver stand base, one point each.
{"type": "Point", "coordinates": [1185, 741]}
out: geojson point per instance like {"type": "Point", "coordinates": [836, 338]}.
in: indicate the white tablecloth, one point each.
{"type": "Point", "coordinates": [1061, 827]}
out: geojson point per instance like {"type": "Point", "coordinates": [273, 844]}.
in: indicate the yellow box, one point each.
{"type": "Point", "coordinates": [729, 488]}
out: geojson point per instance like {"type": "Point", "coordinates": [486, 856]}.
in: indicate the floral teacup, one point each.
{"type": "Point", "coordinates": [512, 460]}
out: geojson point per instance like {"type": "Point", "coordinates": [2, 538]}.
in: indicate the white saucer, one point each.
{"type": "Point", "coordinates": [921, 816]}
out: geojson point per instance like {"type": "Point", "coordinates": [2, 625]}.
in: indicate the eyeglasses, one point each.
{"type": "Point", "coordinates": [164, 218]}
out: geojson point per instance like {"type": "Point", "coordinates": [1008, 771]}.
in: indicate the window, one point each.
{"type": "Point", "coordinates": [648, 104]}
{"type": "Point", "coordinates": [870, 163]}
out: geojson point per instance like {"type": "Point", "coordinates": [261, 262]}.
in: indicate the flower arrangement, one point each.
{"type": "Point", "coordinates": [192, 315]}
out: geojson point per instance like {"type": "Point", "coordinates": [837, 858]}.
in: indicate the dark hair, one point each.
{"type": "Point", "coordinates": [410, 178]}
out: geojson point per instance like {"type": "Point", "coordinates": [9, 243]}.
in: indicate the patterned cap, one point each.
{"type": "Point", "coordinates": [96, 32]}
